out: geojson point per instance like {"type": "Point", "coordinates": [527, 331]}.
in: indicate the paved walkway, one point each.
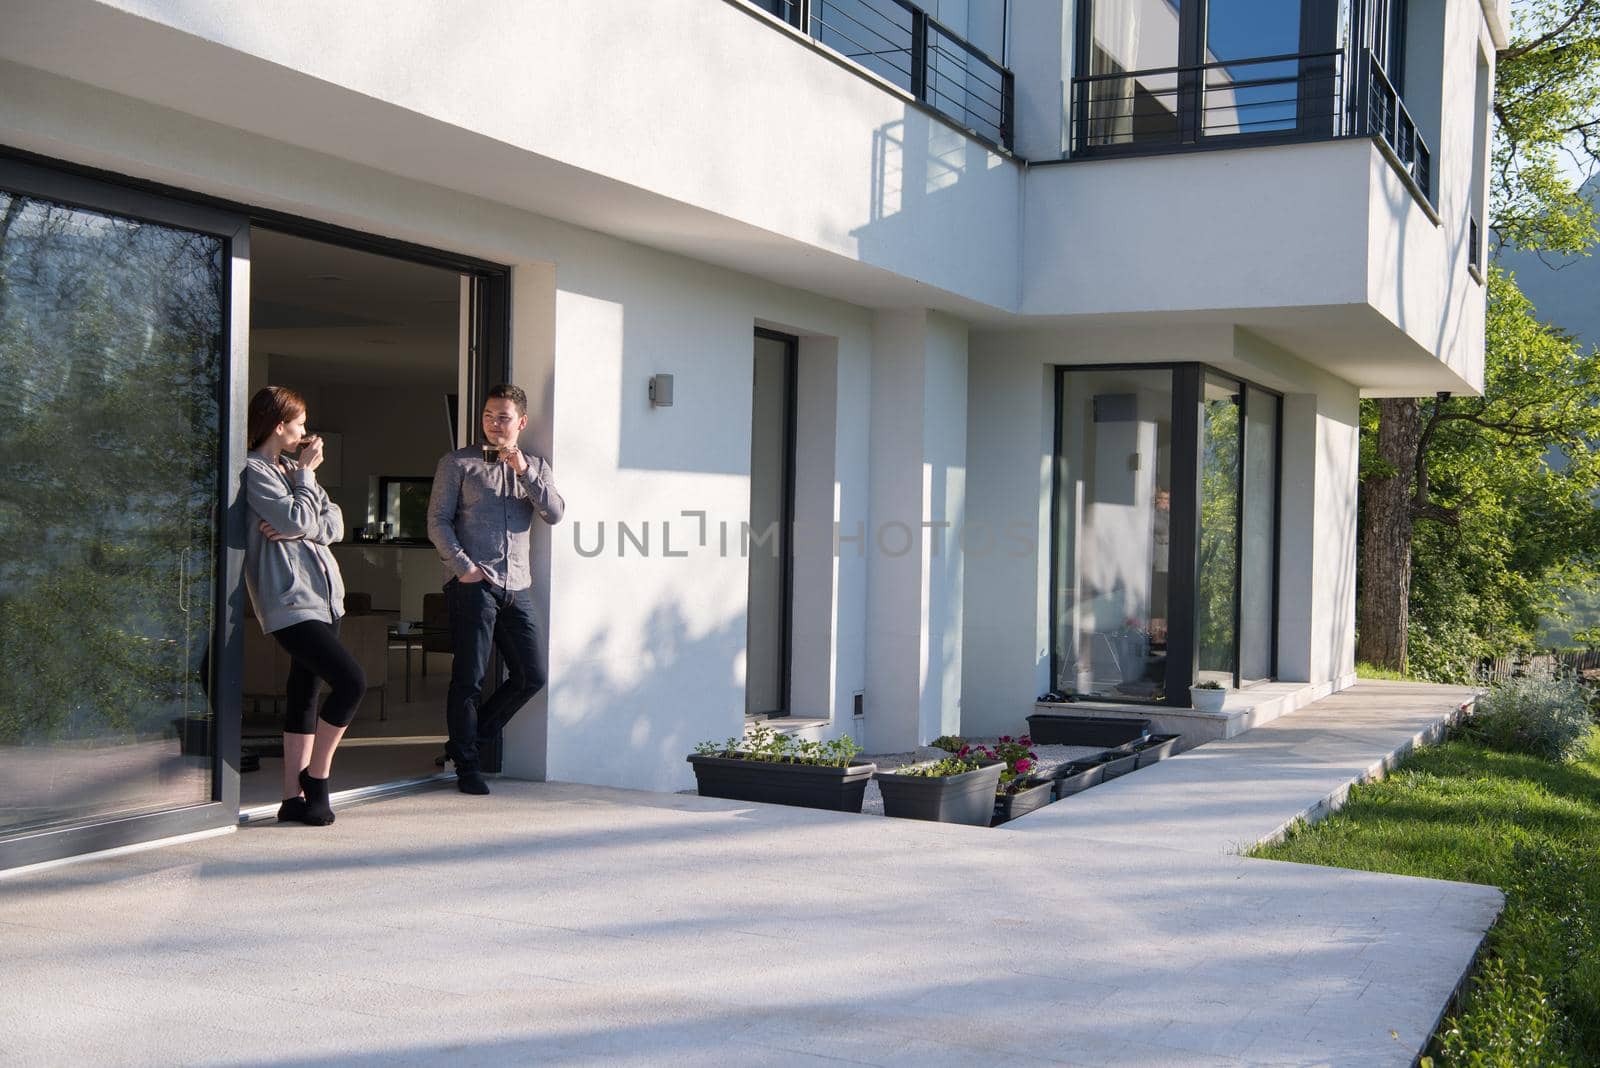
{"type": "Point", "coordinates": [581, 925]}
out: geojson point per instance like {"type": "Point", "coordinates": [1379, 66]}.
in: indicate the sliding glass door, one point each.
{"type": "Point", "coordinates": [114, 341]}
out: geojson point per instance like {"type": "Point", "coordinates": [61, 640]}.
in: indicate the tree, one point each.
{"type": "Point", "coordinates": [1539, 390]}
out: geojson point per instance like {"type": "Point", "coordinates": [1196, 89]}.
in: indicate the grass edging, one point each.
{"type": "Point", "coordinates": [1464, 812]}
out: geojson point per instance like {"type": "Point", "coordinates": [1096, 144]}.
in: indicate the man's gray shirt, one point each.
{"type": "Point", "coordinates": [480, 513]}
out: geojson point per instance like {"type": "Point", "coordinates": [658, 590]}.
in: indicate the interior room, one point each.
{"type": "Point", "coordinates": [374, 344]}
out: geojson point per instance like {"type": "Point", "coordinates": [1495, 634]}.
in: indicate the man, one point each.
{"type": "Point", "coordinates": [482, 507]}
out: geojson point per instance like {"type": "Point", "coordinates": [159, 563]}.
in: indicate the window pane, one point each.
{"type": "Point", "coordinates": [1126, 105]}
{"type": "Point", "coordinates": [1242, 94]}
{"type": "Point", "coordinates": [875, 35]}
{"type": "Point", "coordinates": [1219, 530]}
{"type": "Point", "coordinates": [111, 351]}
{"type": "Point", "coordinates": [1258, 589]}
{"type": "Point", "coordinates": [1114, 526]}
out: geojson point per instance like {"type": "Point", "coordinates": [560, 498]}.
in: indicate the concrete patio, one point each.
{"type": "Point", "coordinates": [582, 925]}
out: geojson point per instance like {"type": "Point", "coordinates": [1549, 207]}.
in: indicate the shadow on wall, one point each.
{"type": "Point", "coordinates": [926, 183]}
{"type": "Point", "coordinates": [642, 695]}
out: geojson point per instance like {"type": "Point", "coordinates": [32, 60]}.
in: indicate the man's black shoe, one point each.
{"type": "Point", "coordinates": [470, 782]}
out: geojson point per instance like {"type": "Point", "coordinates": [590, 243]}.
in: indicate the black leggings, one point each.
{"type": "Point", "coordinates": [317, 654]}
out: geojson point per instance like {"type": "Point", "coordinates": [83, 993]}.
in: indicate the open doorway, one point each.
{"type": "Point", "coordinates": [382, 349]}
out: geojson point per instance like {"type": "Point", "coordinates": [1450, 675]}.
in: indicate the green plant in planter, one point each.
{"type": "Point", "coordinates": [950, 743]}
{"type": "Point", "coordinates": [952, 765]}
{"type": "Point", "coordinates": [1019, 756]}
{"type": "Point", "coordinates": [1209, 684]}
{"type": "Point", "coordinates": [762, 743]}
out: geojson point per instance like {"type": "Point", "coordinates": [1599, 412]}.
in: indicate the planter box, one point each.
{"type": "Point", "coordinates": [1037, 795]}
{"type": "Point", "coordinates": [1154, 748]}
{"type": "Point", "coordinates": [1120, 764]}
{"type": "Point", "coordinates": [803, 785]}
{"type": "Point", "coordinates": [1078, 776]}
{"type": "Point", "coordinates": [966, 798]}
{"type": "Point", "coordinates": [1054, 728]}
{"type": "Point", "coordinates": [1206, 699]}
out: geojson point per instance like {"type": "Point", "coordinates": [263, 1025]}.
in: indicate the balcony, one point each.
{"type": "Point", "coordinates": [1290, 98]}
{"type": "Point", "coordinates": [907, 47]}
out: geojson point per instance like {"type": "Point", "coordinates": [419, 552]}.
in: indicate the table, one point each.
{"type": "Point", "coordinates": [412, 638]}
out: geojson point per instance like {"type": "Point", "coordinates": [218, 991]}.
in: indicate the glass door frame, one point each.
{"type": "Point", "coordinates": [76, 185]}
{"type": "Point", "coordinates": [1188, 421]}
{"type": "Point", "coordinates": [791, 390]}
{"type": "Point", "coordinates": [227, 637]}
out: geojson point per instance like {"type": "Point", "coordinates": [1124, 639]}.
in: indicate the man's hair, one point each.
{"type": "Point", "coordinates": [511, 393]}
{"type": "Point", "coordinates": [270, 406]}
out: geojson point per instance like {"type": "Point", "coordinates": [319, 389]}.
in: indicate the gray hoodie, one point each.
{"type": "Point", "coordinates": [298, 580]}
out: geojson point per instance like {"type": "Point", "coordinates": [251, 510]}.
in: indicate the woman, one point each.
{"type": "Point", "coordinates": [298, 595]}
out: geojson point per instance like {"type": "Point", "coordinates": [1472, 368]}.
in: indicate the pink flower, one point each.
{"type": "Point", "coordinates": [1023, 765]}
{"type": "Point", "coordinates": [1025, 740]}
{"type": "Point", "coordinates": [1004, 738]}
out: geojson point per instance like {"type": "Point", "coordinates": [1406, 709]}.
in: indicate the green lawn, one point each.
{"type": "Point", "coordinates": [1460, 811]}
{"type": "Point", "coordinates": [1365, 670]}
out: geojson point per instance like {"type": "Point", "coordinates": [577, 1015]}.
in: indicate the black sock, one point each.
{"type": "Point", "coordinates": [470, 782]}
{"type": "Point", "coordinates": [293, 810]}
{"type": "Point", "coordinates": [319, 813]}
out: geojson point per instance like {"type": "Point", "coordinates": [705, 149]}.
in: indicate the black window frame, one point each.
{"type": "Point", "coordinates": [1188, 397]}
{"type": "Point", "coordinates": [95, 189]}
{"type": "Point", "coordinates": [791, 406]}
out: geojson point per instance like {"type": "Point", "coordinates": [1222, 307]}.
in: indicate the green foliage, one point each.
{"type": "Point", "coordinates": [952, 765]}
{"type": "Point", "coordinates": [950, 743]}
{"type": "Point", "coordinates": [1466, 812]}
{"type": "Point", "coordinates": [108, 505]}
{"type": "Point", "coordinates": [761, 742]}
{"type": "Point", "coordinates": [1508, 1026]}
{"type": "Point", "coordinates": [1511, 530]}
{"type": "Point", "coordinates": [1546, 101]}
{"type": "Point", "coordinates": [1365, 670]}
{"type": "Point", "coordinates": [1542, 715]}
{"type": "Point", "coordinates": [1219, 521]}
{"type": "Point", "coordinates": [1502, 531]}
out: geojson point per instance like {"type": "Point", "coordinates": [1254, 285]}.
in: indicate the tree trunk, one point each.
{"type": "Point", "coordinates": [1386, 537]}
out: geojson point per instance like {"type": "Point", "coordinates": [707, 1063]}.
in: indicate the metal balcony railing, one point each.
{"type": "Point", "coordinates": [1293, 97]}
{"type": "Point", "coordinates": [904, 45]}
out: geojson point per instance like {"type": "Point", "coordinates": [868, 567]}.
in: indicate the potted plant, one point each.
{"type": "Point", "coordinates": [1078, 775]}
{"type": "Point", "coordinates": [779, 769]}
{"type": "Point", "coordinates": [954, 790]}
{"type": "Point", "coordinates": [1207, 696]}
{"type": "Point", "coordinates": [1019, 791]}
{"type": "Point", "coordinates": [1155, 747]}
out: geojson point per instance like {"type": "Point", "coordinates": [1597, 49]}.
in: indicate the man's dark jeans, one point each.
{"type": "Point", "coordinates": [482, 613]}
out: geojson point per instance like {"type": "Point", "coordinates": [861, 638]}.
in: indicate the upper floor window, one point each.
{"type": "Point", "coordinates": [1162, 75]}
{"type": "Point", "coordinates": [949, 54]}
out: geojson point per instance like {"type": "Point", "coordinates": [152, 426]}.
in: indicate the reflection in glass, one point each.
{"type": "Point", "coordinates": [1133, 36]}
{"type": "Point", "coordinates": [1219, 530]}
{"type": "Point", "coordinates": [111, 352]}
{"type": "Point", "coordinates": [1257, 590]}
{"type": "Point", "coordinates": [1114, 527]}
{"type": "Point", "coordinates": [1244, 95]}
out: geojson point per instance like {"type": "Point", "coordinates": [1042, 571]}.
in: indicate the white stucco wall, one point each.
{"type": "Point", "coordinates": [695, 125]}
{"type": "Point", "coordinates": [645, 653]}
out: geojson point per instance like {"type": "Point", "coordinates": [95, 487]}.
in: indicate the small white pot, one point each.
{"type": "Point", "coordinates": [1206, 700]}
